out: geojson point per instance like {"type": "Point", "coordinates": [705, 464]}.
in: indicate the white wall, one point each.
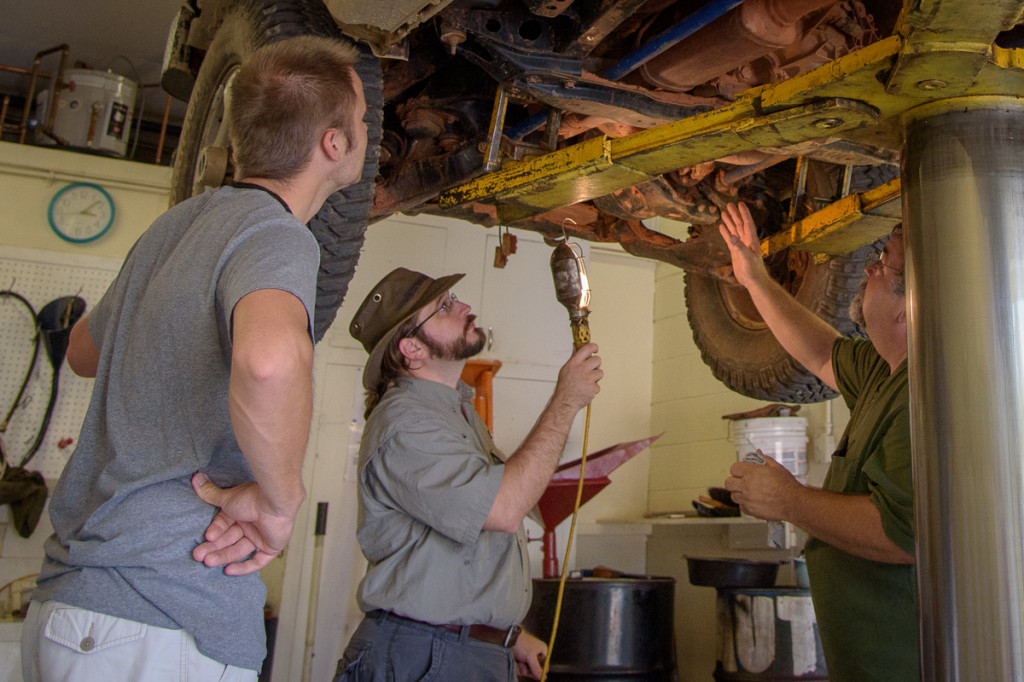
{"type": "Point", "coordinates": [31, 176]}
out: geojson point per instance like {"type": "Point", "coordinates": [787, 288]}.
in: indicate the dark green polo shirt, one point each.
{"type": "Point", "coordinates": [867, 610]}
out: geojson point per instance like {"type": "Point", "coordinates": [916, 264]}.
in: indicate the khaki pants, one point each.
{"type": "Point", "coordinates": [61, 643]}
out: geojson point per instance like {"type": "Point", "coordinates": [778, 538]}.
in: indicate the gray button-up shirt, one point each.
{"type": "Point", "coordinates": [429, 474]}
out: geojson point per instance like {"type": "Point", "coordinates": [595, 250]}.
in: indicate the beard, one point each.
{"type": "Point", "coordinates": [461, 348]}
{"type": "Point", "coordinates": [857, 304]}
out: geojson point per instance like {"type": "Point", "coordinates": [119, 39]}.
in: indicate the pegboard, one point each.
{"type": "Point", "coordinates": [42, 276]}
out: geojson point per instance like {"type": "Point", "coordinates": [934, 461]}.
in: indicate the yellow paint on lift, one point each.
{"type": "Point", "coordinates": [944, 106]}
{"type": "Point", "coordinates": [1002, 76]}
{"type": "Point", "coordinates": [949, 69]}
{"type": "Point", "coordinates": [975, 21]}
{"type": "Point", "coordinates": [947, 43]}
{"type": "Point", "coordinates": [871, 60]}
{"type": "Point", "coordinates": [844, 225]}
{"type": "Point", "coordinates": [550, 173]}
{"type": "Point", "coordinates": [602, 165]}
{"type": "Point", "coordinates": [1008, 58]}
{"type": "Point", "coordinates": [571, 187]}
{"type": "Point", "coordinates": [682, 144]}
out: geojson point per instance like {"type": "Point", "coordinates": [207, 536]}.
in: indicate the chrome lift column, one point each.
{"type": "Point", "coordinates": [963, 212]}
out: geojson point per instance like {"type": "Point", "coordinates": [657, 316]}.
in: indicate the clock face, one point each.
{"type": "Point", "coordinates": [81, 212]}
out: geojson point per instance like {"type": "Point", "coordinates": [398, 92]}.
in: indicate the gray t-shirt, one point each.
{"type": "Point", "coordinates": [429, 475]}
{"type": "Point", "coordinates": [124, 514]}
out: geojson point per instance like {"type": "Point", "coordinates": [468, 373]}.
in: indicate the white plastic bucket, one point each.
{"type": "Point", "coordinates": [784, 439]}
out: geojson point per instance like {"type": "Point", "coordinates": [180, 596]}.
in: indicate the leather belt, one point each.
{"type": "Point", "coordinates": [484, 633]}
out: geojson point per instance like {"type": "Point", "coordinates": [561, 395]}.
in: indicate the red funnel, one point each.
{"type": "Point", "coordinates": [557, 501]}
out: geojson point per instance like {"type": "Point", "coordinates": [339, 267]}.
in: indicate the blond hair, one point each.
{"type": "Point", "coordinates": [284, 97]}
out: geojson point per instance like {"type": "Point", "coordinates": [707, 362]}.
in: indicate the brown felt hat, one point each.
{"type": "Point", "coordinates": [396, 298]}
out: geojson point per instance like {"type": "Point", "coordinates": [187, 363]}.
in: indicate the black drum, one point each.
{"type": "Point", "coordinates": [611, 629]}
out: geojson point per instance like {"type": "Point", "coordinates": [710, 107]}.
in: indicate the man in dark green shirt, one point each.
{"type": "Point", "coordinates": [860, 556]}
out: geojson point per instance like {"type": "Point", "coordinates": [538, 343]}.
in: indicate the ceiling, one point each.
{"type": "Point", "coordinates": [124, 36]}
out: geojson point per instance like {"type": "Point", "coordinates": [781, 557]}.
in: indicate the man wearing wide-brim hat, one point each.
{"type": "Point", "coordinates": [441, 508]}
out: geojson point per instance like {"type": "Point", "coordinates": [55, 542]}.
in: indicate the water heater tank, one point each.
{"type": "Point", "coordinates": [94, 111]}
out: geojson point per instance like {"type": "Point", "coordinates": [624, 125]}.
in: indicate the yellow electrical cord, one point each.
{"type": "Point", "coordinates": [576, 302]}
{"type": "Point", "coordinates": [568, 546]}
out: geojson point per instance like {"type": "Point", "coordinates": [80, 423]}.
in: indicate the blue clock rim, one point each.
{"type": "Point", "coordinates": [69, 187]}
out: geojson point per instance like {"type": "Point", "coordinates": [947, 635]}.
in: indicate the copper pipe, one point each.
{"type": "Point", "coordinates": [63, 49]}
{"type": "Point", "coordinates": [97, 109]}
{"type": "Point", "coordinates": [19, 70]}
{"type": "Point", "coordinates": [54, 136]}
{"type": "Point", "coordinates": [44, 74]}
{"type": "Point", "coordinates": [163, 130]}
{"type": "Point", "coordinates": [57, 85]}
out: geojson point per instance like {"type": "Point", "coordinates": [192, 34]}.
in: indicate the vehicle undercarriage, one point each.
{"type": "Point", "coordinates": [592, 118]}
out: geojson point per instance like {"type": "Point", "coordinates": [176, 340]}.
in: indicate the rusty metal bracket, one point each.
{"type": "Point", "coordinates": [57, 84]}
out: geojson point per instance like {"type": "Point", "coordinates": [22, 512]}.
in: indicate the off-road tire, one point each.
{"type": "Point", "coordinates": [340, 225]}
{"type": "Point", "coordinates": [744, 355]}
{"type": "Point", "coordinates": [748, 359]}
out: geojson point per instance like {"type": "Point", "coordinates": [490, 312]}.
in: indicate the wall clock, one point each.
{"type": "Point", "coordinates": [81, 212]}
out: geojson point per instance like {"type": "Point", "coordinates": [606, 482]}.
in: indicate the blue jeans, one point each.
{"type": "Point", "coordinates": [386, 649]}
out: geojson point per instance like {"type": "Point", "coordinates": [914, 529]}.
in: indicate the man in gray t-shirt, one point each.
{"type": "Point", "coordinates": [188, 471]}
{"type": "Point", "coordinates": [440, 507]}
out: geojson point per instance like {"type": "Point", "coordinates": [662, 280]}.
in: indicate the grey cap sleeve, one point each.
{"type": "Point", "coordinates": [275, 254]}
